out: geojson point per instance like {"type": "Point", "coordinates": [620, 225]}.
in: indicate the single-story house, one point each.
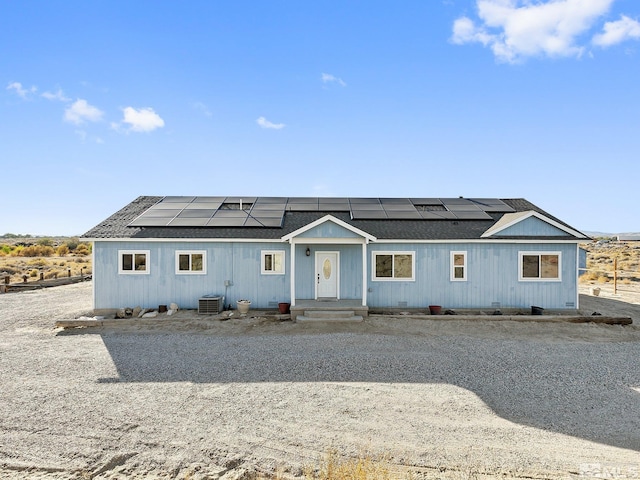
{"type": "Point", "coordinates": [373, 252]}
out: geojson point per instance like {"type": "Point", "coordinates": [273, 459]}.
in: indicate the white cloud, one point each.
{"type": "Point", "coordinates": [20, 90]}
{"type": "Point", "coordinates": [59, 96]}
{"type": "Point", "coordinates": [80, 112]}
{"type": "Point", "coordinates": [201, 107]}
{"type": "Point", "coordinates": [617, 32]}
{"type": "Point", "coordinates": [141, 120]}
{"type": "Point", "coordinates": [328, 78]}
{"type": "Point", "coordinates": [264, 123]}
{"type": "Point", "coordinates": [516, 29]}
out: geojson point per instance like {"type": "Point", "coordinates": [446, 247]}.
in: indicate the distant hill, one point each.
{"type": "Point", "coordinates": [612, 235]}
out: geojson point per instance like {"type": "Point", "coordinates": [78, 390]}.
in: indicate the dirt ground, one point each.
{"type": "Point", "coordinates": [196, 397]}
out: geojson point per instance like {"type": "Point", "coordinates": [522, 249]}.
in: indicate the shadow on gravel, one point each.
{"type": "Point", "coordinates": [575, 388]}
{"type": "Point", "coordinates": [609, 306]}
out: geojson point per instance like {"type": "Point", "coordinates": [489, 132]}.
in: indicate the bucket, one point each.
{"type": "Point", "coordinates": [435, 309]}
{"type": "Point", "coordinates": [537, 310]}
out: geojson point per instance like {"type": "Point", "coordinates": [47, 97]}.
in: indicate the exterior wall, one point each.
{"type": "Point", "coordinates": [237, 262]}
{"type": "Point", "coordinates": [492, 277]}
{"type": "Point", "coordinates": [328, 230]}
{"type": "Point", "coordinates": [532, 226]}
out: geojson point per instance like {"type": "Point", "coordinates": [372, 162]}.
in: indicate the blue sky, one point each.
{"type": "Point", "coordinates": [104, 101]}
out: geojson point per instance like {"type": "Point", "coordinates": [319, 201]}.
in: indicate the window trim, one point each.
{"type": "Point", "coordinates": [122, 271]}
{"type": "Point", "coordinates": [393, 253]}
{"type": "Point", "coordinates": [264, 253]}
{"type": "Point", "coordinates": [453, 266]}
{"type": "Point", "coordinates": [190, 271]}
{"type": "Point", "coordinates": [522, 278]}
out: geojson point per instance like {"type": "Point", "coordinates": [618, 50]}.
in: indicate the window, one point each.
{"type": "Point", "coordinates": [133, 261]}
{"type": "Point", "coordinates": [544, 266]}
{"type": "Point", "coordinates": [458, 266]}
{"type": "Point", "coordinates": [393, 266]}
{"type": "Point", "coordinates": [272, 262]}
{"type": "Point", "coordinates": [191, 262]}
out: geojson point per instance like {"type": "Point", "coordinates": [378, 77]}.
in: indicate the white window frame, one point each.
{"type": "Point", "coordinates": [522, 278]}
{"type": "Point", "coordinates": [393, 253]}
{"type": "Point", "coordinates": [453, 266]}
{"type": "Point", "coordinates": [263, 262]}
{"type": "Point", "coordinates": [122, 271]}
{"type": "Point", "coordinates": [190, 253]}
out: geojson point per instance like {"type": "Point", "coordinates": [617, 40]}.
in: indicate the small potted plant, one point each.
{"type": "Point", "coordinates": [283, 307]}
{"type": "Point", "coordinates": [243, 305]}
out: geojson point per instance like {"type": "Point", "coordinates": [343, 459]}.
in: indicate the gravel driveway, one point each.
{"type": "Point", "coordinates": [205, 398]}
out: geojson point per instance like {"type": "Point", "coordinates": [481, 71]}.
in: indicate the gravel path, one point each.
{"type": "Point", "coordinates": [201, 398]}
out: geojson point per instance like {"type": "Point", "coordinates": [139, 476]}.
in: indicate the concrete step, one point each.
{"type": "Point", "coordinates": [329, 316]}
{"type": "Point", "coordinates": [329, 313]}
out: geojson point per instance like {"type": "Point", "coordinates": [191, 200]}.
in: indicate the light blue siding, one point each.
{"type": "Point", "coordinates": [532, 226]}
{"type": "Point", "coordinates": [329, 230]}
{"type": "Point", "coordinates": [492, 276]}
{"type": "Point", "coordinates": [237, 262]}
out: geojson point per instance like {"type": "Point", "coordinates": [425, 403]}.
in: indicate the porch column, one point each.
{"type": "Point", "coordinates": [293, 273]}
{"type": "Point", "coordinates": [364, 273]}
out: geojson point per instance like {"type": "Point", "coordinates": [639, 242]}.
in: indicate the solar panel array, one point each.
{"type": "Point", "coordinates": [269, 211]}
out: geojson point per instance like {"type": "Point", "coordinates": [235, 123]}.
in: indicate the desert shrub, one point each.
{"type": "Point", "coordinates": [80, 260]}
{"type": "Point", "coordinates": [72, 243]}
{"type": "Point", "coordinates": [83, 249]}
{"type": "Point", "coordinates": [9, 269]}
{"type": "Point", "coordinates": [62, 250]}
{"type": "Point", "coordinates": [603, 279]}
{"type": "Point", "coordinates": [589, 276]}
{"type": "Point", "coordinates": [364, 467]}
{"type": "Point", "coordinates": [33, 273]}
{"type": "Point", "coordinates": [16, 251]}
{"type": "Point", "coordinates": [6, 249]}
{"type": "Point", "coordinates": [37, 251]}
{"type": "Point", "coordinates": [55, 274]}
{"type": "Point", "coordinates": [37, 262]}
{"type": "Point", "coordinates": [45, 242]}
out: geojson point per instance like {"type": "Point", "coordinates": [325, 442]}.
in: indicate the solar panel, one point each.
{"type": "Point", "coordinates": [338, 206]}
{"type": "Point", "coordinates": [231, 214]}
{"type": "Point", "coordinates": [463, 207]}
{"type": "Point", "coordinates": [226, 222]}
{"type": "Point", "coordinates": [188, 222]}
{"type": "Point", "coordinates": [438, 215]}
{"type": "Point", "coordinates": [426, 201]}
{"type": "Point", "coordinates": [492, 205]}
{"type": "Point", "coordinates": [177, 199]}
{"type": "Point", "coordinates": [220, 211]}
{"type": "Point", "coordinates": [401, 215]}
{"type": "Point", "coordinates": [196, 213]}
{"type": "Point", "coordinates": [203, 205]}
{"type": "Point", "coordinates": [368, 214]}
{"type": "Point", "coordinates": [302, 207]}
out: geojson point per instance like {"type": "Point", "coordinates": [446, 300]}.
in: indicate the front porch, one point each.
{"type": "Point", "coordinates": [345, 310]}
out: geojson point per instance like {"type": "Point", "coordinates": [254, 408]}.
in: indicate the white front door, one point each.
{"type": "Point", "coordinates": [327, 275]}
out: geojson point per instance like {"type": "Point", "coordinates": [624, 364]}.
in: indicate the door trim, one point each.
{"type": "Point", "coordinates": [318, 268]}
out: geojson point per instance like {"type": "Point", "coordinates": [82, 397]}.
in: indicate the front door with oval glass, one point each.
{"type": "Point", "coordinates": [327, 275]}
